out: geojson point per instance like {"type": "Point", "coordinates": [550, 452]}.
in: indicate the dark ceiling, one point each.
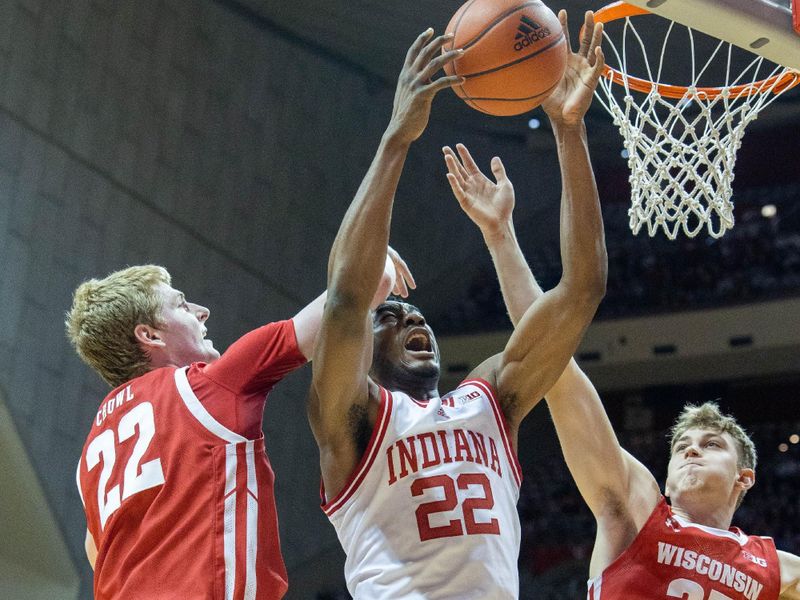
{"type": "Point", "coordinates": [373, 36]}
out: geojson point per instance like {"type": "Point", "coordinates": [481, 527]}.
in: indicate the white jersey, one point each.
{"type": "Point", "coordinates": [430, 511]}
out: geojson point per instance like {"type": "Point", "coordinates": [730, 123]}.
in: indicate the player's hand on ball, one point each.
{"type": "Point", "coordinates": [416, 88]}
{"type": "Point", "coordinates": [403, 277]}
{"type": "Point", "coordinates": [488, 203]}
{"type": "Point", "coordinates": [573, 95]}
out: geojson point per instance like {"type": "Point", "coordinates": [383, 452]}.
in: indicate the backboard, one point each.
{"type": "Point", "coordinates": [764, 27]}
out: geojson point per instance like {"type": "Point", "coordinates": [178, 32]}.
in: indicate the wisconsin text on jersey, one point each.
{"type": "Point", "coordinates": [715, 570]}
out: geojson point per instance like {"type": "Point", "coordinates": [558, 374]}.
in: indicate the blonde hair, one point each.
{"type": "Point", "coordinates": [103, 316]}
{"type": "Point", "coordinates": [709, 416]}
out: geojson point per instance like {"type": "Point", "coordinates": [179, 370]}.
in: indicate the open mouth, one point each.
{"type": "Point", "coordinates": [419, 341]}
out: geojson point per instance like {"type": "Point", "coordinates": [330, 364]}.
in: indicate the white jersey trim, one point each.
{"type": "Point", "coordinates": [251, 522]}
{"type": "Point", "coordinates": [229, 521]}
{"type": "Point", "coordinates": [252, 525]}
{"type": "Point", "coordinates": [501, 425]}
{"type": "Point", "coordinates": [739, 537]}
{"type": "Point", "coordinates": [199, 411]}
{"type": "Point", "coordinates": [595, 588]}
{"type": "Point", "coordinates": [78, 481]}
{"type": "Point", "coordinates": [358, 475]}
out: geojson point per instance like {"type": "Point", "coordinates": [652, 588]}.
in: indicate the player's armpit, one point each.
{"type": "Point", "coordinates": [91, 549]}
{"type": "Point", "coordinates": [790, 575]}
{"type": "Point", "coordinates": [339, 386]}
{"type": "Point", "coordinates": [340, 367]}
{"type": "Point", "coordinates": [644, 492]}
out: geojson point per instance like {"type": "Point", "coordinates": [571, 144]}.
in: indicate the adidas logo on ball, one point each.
{"type": "Point", "coordinates": [521, 56]}
{"type": "Point", "coordinates": [529, 32]}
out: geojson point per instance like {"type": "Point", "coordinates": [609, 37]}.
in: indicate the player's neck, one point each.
{"type": "Point", "coordinates": [162, 359]}
{"type": "Point", "coordinates": [417, 385]}
{"type": "Point", "coordinates": [419, 388]}
{"type": "Point", "coordinates": [703, 512]}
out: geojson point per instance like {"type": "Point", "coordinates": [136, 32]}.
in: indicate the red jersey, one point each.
{"type": "Point", "coordinates": [177, 488]}
{"type": "Point", "coordinates": [673, 558]}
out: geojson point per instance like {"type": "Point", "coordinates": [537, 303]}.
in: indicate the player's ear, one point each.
{"type": "Point", "coordinates": [148, 336]}
{"type": "Point", "coordinates": [747, 478]}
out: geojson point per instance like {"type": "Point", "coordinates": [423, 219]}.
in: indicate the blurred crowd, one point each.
{"type": "Point", "coordinates": [759, 259]}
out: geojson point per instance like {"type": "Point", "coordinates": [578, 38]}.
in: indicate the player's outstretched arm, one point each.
{"type": "Point", "coordinates": [340, 389]}
{"type": "Point", "coordinates": [490, 204]}
{"type": "Point", "coordinates": [790, 576]}
{"type": "Point", "coordinates": [619, 490]}
{"type": "Point", "coordinates": [549, 332]}
{"type": "Point", "coordinates": [600, 467]}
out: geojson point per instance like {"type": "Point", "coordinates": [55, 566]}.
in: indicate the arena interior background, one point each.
{"type": "Point", "coordinates": [224, 140]}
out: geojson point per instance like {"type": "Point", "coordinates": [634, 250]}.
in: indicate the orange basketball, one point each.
{"type": "Point", "coordinates": [515, 53]}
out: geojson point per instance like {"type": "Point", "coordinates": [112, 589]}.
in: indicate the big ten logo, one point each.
{"type": "Point", "coordinates": [451, 401]}
{"type": "Point", "coordinates": [754, 559]}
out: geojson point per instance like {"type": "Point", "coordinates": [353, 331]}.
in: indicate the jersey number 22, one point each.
{"type": "Point", "coordinates": [136, 478]}
{"type": "Point", "coordinates": [450, 501]}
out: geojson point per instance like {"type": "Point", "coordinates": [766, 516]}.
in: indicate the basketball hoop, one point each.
{"type": "Point", "coordinates": [682, 140]}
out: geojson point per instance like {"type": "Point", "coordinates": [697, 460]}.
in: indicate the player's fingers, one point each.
{"type": "Point", "coordinates": [405, 274]}
{"type": "Point", "coordinates": [402, 273]}
{"type": "Point", "coordinates": [587, 33]}
{"type": "Point", "coordinates": [453, 169]}
{"type": "Point", "coordinates": [434, 87]}
{"type": "Point", "coordinates": [499, 170]}
{"type": "Point", "coordinates": [599, 63]}
{"type": "Point", "coordinates": [466, 157]}
{"type": "Point", "coordinates": [458, 192]}
{"type": "Point", "coordinates": [400, 288]}
{"type": "Point", "coordinates": [597, 39]}
{"type": "Point", "coordinates": [562, 16]}
{"type": "Point", "coordinates": [433, 48]}
{"type": "Point", "coordinates": [454, 165]}
{"type": "Point", "coordinates": [415, 48]}
{"type": "Point", "coordinates": [437, 63]}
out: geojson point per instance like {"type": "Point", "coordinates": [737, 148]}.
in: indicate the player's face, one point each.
{"type": "Point", "coordinates": [703, 461]}
{"type": "Point", "coordinates": [183, 329]}
{"type": "Point", "coordinates": [404, 344]}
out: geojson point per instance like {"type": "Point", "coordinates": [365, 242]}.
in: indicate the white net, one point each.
{"type": "Point", "coordinates": [682, 151]}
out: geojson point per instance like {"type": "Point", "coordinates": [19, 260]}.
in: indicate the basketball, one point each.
{"type": "Point", "coordinates": [515, 53]}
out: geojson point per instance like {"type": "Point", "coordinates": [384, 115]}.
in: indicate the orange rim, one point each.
{"type": "Point", "coordinates": [620, 10]}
